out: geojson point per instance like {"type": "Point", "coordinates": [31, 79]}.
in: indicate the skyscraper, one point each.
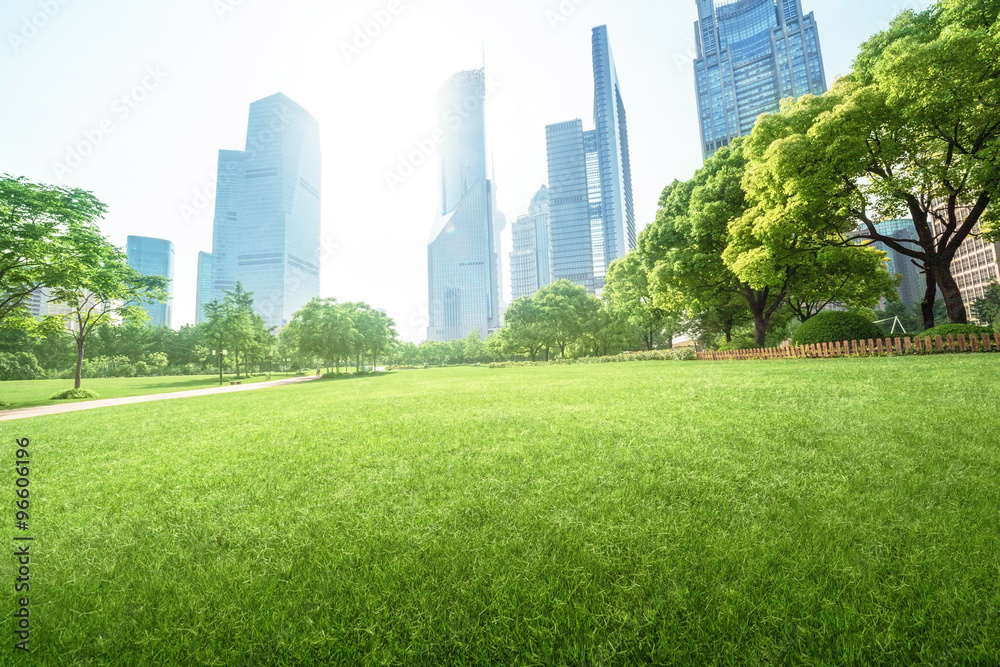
{"type": "Point", "coordinates": [751, 55]}
{"type": "Point", "coordinates": [914, 284]}
{"type": "Point", "coordinates": [267, 212]}
{"type": "Point", "coordinates": [529, 260]}
{"type": "Point", "coordinates": [463, 257]}
{"type": "Point", "coordinates": [590, 178]}
{"type": "Point", "coordinates": [153, 257]}
{"type": "Point", "coordinates": [204, 285]}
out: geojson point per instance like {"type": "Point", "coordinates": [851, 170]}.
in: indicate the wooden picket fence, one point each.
{"type": "Point", "coordinates": [867, 348]}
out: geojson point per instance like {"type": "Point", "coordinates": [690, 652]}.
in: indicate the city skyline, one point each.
{"type": "Point", "coordinates": [168, 112]}
{"type": "Point", "coordinates": [154, 257]}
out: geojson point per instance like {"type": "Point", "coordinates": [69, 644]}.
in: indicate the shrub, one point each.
{"type": "Point", "coordinates": [738, 343]}
{"type": "Point", "coordinates": [832, 326]}
{"type": "Point", "coordinates": [20, 366]}
{"type": "Point", "coordinates": [70, 394]}
{"type": "Point", "coordinates": [954, 329]}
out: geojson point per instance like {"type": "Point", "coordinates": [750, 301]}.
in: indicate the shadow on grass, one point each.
{"type": "Point", "coordinates": [340, 377]}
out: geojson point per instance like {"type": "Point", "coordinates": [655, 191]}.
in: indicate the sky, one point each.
{"type": "Point", "coordinates": [133, 101]}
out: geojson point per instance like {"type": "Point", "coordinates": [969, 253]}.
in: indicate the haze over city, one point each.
{"type": "Point", "coordinates": [134, 102]}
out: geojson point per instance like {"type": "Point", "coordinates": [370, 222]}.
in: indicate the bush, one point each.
{"type": "Point", "coordinates": [738, 343]}
{"type": "Point", "coordinates": [20, 366]}
{"type": "Point", "coordinates": [680, 354]}
{"type": "Point", "coordinates": [833, 326]}
{"type": "Point", "coordinates": [954, 329]}
{"type": "Point", "coordinates": [70, 394]}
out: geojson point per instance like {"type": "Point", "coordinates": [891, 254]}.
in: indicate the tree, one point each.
{"type": "Point", "coordinates": [45, 234]}
{"type": "Point", "coordinates": [987, 309]}
{"type": "Point", "coordinates": [845, 278]}
{"type": "Point", "coordinates": [474, 349]}
{"type": "Point", "coordinates": [912, 131]}
{"type": "Point", "coordinates": [565, 308]}
{"type": "Point", "coordinates": [627, 297]}
{"type": "Point", "coordinates": [524, 331]}
{"type": "Point", "coordinates": [104, 287]}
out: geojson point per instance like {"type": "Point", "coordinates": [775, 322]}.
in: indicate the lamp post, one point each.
{"type": "Point", "coordinates": [222, 354]}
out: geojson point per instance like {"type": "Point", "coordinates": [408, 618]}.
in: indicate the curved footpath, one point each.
{"type": "Point", "coordinates": [43, 410]}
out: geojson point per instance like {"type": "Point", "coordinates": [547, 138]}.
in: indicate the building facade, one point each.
{"type": "Point", "coordinates": [267, 229]}
{"type": "Point", "coordinates": [204, 289]}
{"type": "Point", "coordinates": [975, 267]}
{"type": "Point", "coordinates": [154, 257]}
{"type": "Point", "coordinates": [463, 255]}
{"type": "Point", "coordinates": [914, 284]}
{"type": "Point", "coordinates": [529, 260]}
{"type": "Point", "coordinates": [590, 181]}
{"type": "Point", "coordinates": [751, 54]}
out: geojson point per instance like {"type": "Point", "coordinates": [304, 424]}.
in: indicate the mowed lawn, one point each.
{"type": "Point", "coordinates": [29, 393]}
{"type": "Point", "coordinates": [827, 512]}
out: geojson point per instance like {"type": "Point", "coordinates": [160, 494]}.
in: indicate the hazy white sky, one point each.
{"type": "Point", "coordinates": [149, 92]}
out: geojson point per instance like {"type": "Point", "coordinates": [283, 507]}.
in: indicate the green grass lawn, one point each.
{"type": "Point", "coordinates": [29, 393]}
{"type": "Point", "coordinates": [827, 512]}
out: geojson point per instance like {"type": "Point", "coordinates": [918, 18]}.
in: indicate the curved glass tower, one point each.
{"type": "Point", "coordinates": [463, 260]}
{"type": "Point", "coordinates": [751, 55]}
{"type": "Point", "coordinates": [529, 261]}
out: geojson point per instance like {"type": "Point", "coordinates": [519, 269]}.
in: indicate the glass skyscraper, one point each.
{"type": "Point", "coordinates": [267, 233]}
{"type": "Point", "coordinates": [153, 257]}
{"type": "Point", "coordinates": [751, 55]}
{"type": "Point", "coordinates": [529, 260]}
{"type": "Point", "coordinates": [204, 284]}
{"type": "Point", "coordinates": [590, 180]}
{"type": "Point", "coordinates": [463, 257]}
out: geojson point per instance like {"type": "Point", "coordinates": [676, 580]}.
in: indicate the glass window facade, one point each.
{"type": "Point", "coordinates": [590, 176]}
{"type": "Point", "coordinates": [204, 285]}
{"type": "Point", "coordinates": [529, 260]}
{"type": "Point", "coordinates": [751, 55]}
{"type": "Point", "coordinates": [154, 257]}
{"type": "Point", "coordinates": [267, 228]}
{"type": "Point", "coordinates": [463, 259]}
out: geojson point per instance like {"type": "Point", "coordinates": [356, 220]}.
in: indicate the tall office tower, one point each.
{"type": "Point", "coordinates": [590, 177]}
{"type": "Point", "coordinates": [204, 285]}
{"type": "Point", "coordinates": [267, 233]}
{"type": "Point", "coordinates": [529, 261]}
{"type": "Point", "coordinates": [751, 55]}
{"type": "Point", "coordinates": [37, 303]}
{"type": "Point", "coordinates": [463, 256]}
{"type": "Point", "coordinates": [153, 257]}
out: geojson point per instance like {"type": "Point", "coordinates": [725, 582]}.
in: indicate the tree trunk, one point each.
{"type": "Point", "coordinates": [761, 323]}
{"type": "Point", "coordinates": [930, 297]}
{"type": "Point", "coordinates": [957, 314]}
{"type": "Point", "coordinates": [79, 362]}
{"type": "Point", "coordinates": [670, 341]}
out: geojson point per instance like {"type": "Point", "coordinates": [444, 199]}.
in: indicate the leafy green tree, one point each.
{"type": "Point", "coordinates": [104, 287]}
{"type": "Point", "coordinates": [987, 309]}
{"type": "Point", "coordinates": [912, 132]}
{"type": "Point", "coordinates": [630, 301]}
{"type": "Point", "coordinates": [564, 310]}
{"type": "Point", "coordinates": [525, 330]}
{"type": "Point", "coordinates": [46, 232]}
{"type": "Point", "coordinates": [474, 349]}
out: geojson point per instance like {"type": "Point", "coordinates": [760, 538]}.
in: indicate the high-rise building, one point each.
{"type": "Point", "coordinates": [529, 260]}
{"type": "Point", "coordinates": [37, 303]}
{"type": "Point", "coordinates": [154, 257]}
{"type": "Point", "coordinates": [204, 285]}
{"type": "Point", "coordinates": [751, 55]}
{"type": "Point", "coordinates": [590, 181]}
{"type": "Point", "coordinates": [267, 232]}
{"type": "Point", "coordinates": [914, 284]}
{"type": "Point", "coordinates": [463, 255]}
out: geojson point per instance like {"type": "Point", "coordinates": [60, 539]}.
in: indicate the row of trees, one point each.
{"type": "Point", "coordinates": [334, 334]}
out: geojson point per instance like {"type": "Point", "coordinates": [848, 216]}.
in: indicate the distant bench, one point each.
{"type": "Point", "coordinates": [235, 382]}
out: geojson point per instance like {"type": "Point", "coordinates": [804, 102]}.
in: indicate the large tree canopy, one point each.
{"type": "Point", "coordinates": [45, 233]}
{"type": "Point", "coordinates": [913, 132]}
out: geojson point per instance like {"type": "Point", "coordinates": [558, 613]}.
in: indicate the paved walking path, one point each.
{"type": "Point", "coordinates": [42, 410]}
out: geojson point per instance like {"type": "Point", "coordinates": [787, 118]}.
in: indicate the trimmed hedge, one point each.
{"type": "Point", "coordinates": [954, 329]}
{"type": "Point", "coordinates": [832, 326]}
{"type": "Point", "coordinates": [683, 354]}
